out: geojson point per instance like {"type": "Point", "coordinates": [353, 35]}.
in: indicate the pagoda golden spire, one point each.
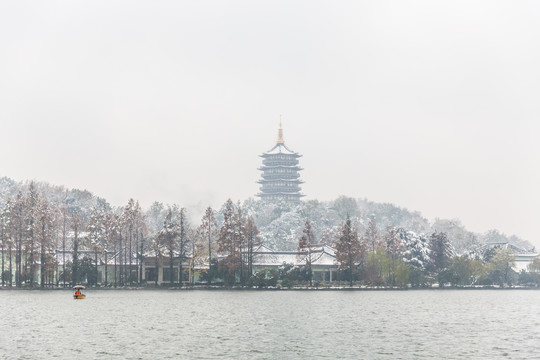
{"type": "Point", "coordinates": [280, 133]}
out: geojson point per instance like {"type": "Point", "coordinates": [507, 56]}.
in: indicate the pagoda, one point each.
{"type": "Point", "coordinates": [280, 177]}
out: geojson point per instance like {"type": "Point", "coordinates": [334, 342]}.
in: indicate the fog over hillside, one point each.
{"type": "Point", "coordinates": [281, 224]}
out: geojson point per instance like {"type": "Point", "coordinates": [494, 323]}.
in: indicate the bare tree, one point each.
{"type": "Point", "coordinates": [372, 237]}
{"type": "Point", "coordinates": [168, 236]}
{"type": "Point", "coordinates": [229, 244]}
{"type": "Point", "coordinates": [253, 242]}
{"type": "Point", "coordinates": [77, 224]}
{"type": "Point", "coordinates": [208, 231]}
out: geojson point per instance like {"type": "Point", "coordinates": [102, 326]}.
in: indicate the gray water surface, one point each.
{"type": "Point", "coordinates": [206, 324]}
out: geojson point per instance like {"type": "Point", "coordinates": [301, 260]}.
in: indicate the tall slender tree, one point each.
{"type": "Point", "coordinates": [31, 211]}
{"type": "Point", "coordinates": [168, 237]}
{"type": "Point", "coordinates": [349, 251]}
{"type": "Point", "coordinates": [372, 237]}
{"type": "Point", "coordinates": [183, 242]}
{"type": "Point", "coordinates": [19, 230]}
{"type": "Point", "coordinates": [305, 249]}
{"type": "Point", "coordinates": [253, 242]}
{"type": "Point", "coordinates": [140, 229]}
{"type": "Point", "coordinates": [228, 244]}
{"type": "Point", "coordinates": [240, 240]}
{"type": "Point", "coordinates": [130, 218]}
{"type": "Point", "coordinates": [77, 226]}
{"type": "Point", "coordinates": [65, 222]}
{"type": "Point", "coordinates": [395, 249]}
{"type": "Point", "coordinates": [45, 227]}
{"type": "Point", "coordinates": [5, 227]}
{"type": "Point", "coordinates": [440, 251]}
{"type": "Point", "coordinates": [208, 231]}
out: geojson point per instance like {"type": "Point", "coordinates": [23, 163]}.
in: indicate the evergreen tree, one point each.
{"type": "Point", "coordinates": [440, 251]}
{"type": "Point", "coordinates": [349, 251]}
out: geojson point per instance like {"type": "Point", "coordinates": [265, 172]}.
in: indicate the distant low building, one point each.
{"type": "Point", "coordinates": [523, 256]}
{"type": "Point", "coordinates": [323, 260]}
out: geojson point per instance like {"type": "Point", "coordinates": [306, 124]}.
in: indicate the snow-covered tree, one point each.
{"type": "Point", "coordinates": [305, 249]}
{"type": "Point", "coordinates": [208, 232]}
{"type": "Point", "coordinates": [168, 236]}
{"type": "Point", "coordinates": [349, 251]}
{"type": "Point", "coordinates": [440, 251]}
{"type": "Point", "coordinates": [230, 243]}
{"type": "Point", "coordinates": [45, 229]}
{"type": "Point", "coordinates": [77, 226]}
{"type": "Point", "coordinates": [372, 237]}
{"type": "Point", "coordinates": [253, 241]}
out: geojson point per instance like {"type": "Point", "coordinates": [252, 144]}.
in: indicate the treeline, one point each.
{"type": "Point", "coordinates": [46, 242]}
{"type": "Point", "coordinates": [65, 245]}
{"type": "Point", "coordinates": [399, 258]}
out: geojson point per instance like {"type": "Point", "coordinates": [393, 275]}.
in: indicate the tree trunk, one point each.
{"type": "Point", "coordinates": [209, 253]}
{"type": "Point", "coordinates": [2, 275]}
{"type": "Point", "coordinates": [106, 274]}
{"type": "Point", "coordinates": [130, 257]}
{"type": "Point", "coordinates": [64, 252]}
{"type": "Point", "coordinates": [115, 264]}
{"type": "Point", "coordinates": [171, 277]}
{"type": "Point", "coordinates": [120, 280]}
{"type": "Point", "coordinates": [42, 258]}
{"type": "Point", "coordinates": [10, 267]}
{"type": "Point", "coordinates": [95, 256]}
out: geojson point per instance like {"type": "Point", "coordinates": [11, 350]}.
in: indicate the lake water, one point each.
{"type": "Point", "coordinates": [206, 324]}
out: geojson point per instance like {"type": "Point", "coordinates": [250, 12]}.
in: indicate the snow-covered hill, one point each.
{"type": "Point", "coordinates": [281, 224]}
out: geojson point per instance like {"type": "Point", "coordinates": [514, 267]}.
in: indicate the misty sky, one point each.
{"type": "Point", "coordinates": [429, 105]}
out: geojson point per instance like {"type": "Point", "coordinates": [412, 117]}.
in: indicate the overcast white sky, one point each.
{"type": "Point", "coordinates": [429, 105]}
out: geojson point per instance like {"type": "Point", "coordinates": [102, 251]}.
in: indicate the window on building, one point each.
{"type": "Point", "coordinates": [151, 274]}
{"type": "Point", "coordinates": [167, 274]}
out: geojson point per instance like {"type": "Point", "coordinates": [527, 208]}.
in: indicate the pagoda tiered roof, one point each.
{"type": "Point", "coordinates": [280, 148]}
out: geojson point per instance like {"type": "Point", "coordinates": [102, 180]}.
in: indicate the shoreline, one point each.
{"type": "Point", "coordinates": [222, 288]}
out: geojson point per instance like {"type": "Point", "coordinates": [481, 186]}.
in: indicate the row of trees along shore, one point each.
{"type": "Point", "coordinates": [65, 244]}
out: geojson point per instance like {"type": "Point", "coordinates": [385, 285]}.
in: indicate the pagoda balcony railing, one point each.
{"type": "Point", "coordinates": [280, 190]}
{"type": "Point", "coordinates": [280, 176]}
{"type": "Point", "coordinates": [269, 171]}
{"type": "Point", "coordinates": [272, 162]}
{"type": "Point", "coordinates": [281, 196]}
{"type": "Point", "coordinates": [280, 168]}
{"type": "Point", "coordinates": [273, 181]}
{"type": "Point", "coordinates": [280, 185]}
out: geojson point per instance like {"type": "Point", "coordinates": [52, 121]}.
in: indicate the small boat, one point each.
{"type": "Point", "coordinates": [78, 294]}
